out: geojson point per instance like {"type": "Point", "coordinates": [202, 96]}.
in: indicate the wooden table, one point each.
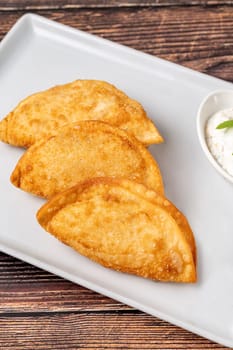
{"type": "Point", "coordinates": [42, 311]}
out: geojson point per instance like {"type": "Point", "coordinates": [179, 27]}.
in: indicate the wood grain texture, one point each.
{"type": "Point", "coordinates": [12, 5]}
{"type": "Point", "coordinates": [25, 288]}
{"type": "Point", "coordinates": [201, 39]}
{"type": "Point", "coordinates": [41, 311]}
{"type": "Point", "coordinates": [125, 330]}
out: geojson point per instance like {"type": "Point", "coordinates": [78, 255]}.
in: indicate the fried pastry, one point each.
{"type": "Point", "coordinates": [42, 114]}
{"type": "Point", "coordinates": [118, 228]}
{"type": "Point", "coordinates": [157, 199]}
{"type": "Point", "coordinates": [81, 151]}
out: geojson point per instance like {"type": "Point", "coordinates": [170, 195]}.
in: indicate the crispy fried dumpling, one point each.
{"type": "Point", "coordinates": [81, 151]}
{"type": "Point", "coordinates": [157, 199]}
{"type": "Point", "coordinates": [42, 114]}
{"type": "Point", "coordinates": [120, 229]}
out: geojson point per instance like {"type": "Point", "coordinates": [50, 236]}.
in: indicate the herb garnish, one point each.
{"type": "Point", "coordinates": [226, 124]}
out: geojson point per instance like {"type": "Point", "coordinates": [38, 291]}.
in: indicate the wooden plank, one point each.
{"type": "Point", "coordinates": [109, 330]}
{"type": "Point", "coordinates": [198, 38]}
{"type": "Point", "coordinates": [62, 296]}
{"type": "Point", "coordinates": [11, 5]}
{"type": "Point", "coordinates": [25, 288]}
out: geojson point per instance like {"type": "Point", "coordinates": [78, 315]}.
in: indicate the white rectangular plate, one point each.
{"type": "Point", "coordinates": [38, 53]}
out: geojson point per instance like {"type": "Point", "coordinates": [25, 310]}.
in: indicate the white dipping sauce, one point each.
{"type": "Point", "coordinates": [220, 141]}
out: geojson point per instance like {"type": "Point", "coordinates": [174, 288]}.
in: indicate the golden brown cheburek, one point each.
{"type": "Point", "coordinates": [155, 198]}
{"type": "Point", "coordinates": [81, 151]}
{"type": "Point", "coordinates": [163, 202]}
{"type": "Point", "coordinates": [42, 114]}
{"type": "Point", "coordinates": [114, 224]}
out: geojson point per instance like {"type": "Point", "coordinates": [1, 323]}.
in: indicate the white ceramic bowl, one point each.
{"type": "Point", "coordinates": [211, 104]}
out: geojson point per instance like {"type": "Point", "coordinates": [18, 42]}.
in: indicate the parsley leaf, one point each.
{"type": "Point", "coordinates": [226, 124]}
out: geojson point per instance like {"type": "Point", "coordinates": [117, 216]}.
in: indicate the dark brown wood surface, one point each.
{"type": "Point", "coordinates": [42, 311]}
